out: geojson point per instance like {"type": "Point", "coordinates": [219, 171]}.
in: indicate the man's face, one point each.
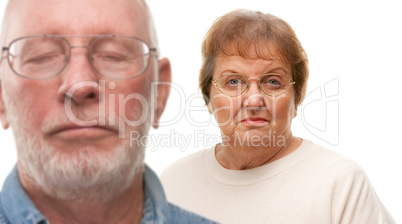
{"type": "Point", "coordinates": [40, 111]}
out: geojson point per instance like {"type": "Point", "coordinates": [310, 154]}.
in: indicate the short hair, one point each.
{"type": "Point", "coordinates": [253, 35]}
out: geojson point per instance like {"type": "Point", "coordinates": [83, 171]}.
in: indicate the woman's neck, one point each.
{"type": "Point", "coordinates": [240, 157]}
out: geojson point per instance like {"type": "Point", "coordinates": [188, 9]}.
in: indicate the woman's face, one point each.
{"type": "Point", "coordinates": [253, 118]}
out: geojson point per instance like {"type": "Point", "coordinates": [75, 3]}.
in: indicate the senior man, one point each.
{"type": "Point", "coordinates": [76, 80]}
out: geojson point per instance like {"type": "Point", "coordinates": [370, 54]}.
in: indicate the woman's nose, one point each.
{"type": "Point", "coordinates": [253, 98]}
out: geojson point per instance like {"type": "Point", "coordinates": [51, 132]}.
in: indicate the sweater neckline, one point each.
{"type": "Point", "coordinates": [258, 174]}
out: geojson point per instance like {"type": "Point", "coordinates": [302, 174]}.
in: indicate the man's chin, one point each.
{"type": "Point", "coordinates": [84, 174]}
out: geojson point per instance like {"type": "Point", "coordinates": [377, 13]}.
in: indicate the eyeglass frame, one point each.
{"type": "Point", "coordinates": [62, 37]}
{"type": "Point", "coordinates": [292, 83]}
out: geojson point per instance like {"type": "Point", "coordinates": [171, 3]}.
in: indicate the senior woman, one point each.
{"type": "Point", "coordinates": [253, 77]}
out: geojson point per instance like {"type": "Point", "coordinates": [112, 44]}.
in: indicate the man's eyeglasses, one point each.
{"type": "Point", "coordinates": [45, 56]}
{"type": "Point", "coordinates": [236, 84]}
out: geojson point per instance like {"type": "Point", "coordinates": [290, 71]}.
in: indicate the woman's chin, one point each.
{"type": "Point", "coordinates": [257, 138]}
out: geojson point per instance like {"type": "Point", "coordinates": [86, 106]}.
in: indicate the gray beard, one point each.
{"type": "Point", "coordinates": [82, 175]}
{"type": "Point", "coordinates": [79, 175]}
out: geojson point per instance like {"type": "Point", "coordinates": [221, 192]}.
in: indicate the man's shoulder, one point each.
{"type": "Point", "coordinates": [181, 216]}
{"type": "Point", "coordinates": [3, 219]}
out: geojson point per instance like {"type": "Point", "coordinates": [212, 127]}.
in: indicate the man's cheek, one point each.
{"type": "Point", "coordinates": [134, 112]}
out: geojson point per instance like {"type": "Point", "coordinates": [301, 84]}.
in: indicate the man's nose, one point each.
{"type": "Point", "coordinates": [80, 81]}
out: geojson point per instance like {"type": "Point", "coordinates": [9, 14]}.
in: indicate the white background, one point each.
{"type": "Point", "coordinates": [355, 54]}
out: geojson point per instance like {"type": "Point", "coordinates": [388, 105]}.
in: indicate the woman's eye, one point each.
{"type": "Point", "coordinates": [273, 82]}
{"type": "Point", "coordinates": [234, 81]}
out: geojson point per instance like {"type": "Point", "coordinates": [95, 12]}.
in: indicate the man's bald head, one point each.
{"type": "Point", "coordinates": [20, 8]}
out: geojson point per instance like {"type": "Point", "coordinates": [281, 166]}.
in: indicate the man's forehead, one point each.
{"type": "Point", "coordinates": [31, 17]}
{"type": "Point", "coordinates": [21, 4]}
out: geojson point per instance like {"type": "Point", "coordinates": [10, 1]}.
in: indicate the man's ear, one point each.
{"type": "Point", "coordinates": [3, 114]}
{"type": "Point", "coordinates": [163, 87]}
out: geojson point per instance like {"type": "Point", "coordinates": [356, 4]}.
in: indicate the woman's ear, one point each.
{"type": "Point", "coordinates": [210, 108]}
{"type": "Point", "coordinates": [295, 110]}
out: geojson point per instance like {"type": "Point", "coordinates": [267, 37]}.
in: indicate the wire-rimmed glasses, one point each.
{"type": "Point", "coordinates": [237, 84]}
{"type": "Point", "coordinates": [45, 56]}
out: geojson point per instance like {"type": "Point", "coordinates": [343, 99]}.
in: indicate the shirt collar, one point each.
{"type": "Point", "coordinates": [156, 207]}
{"type": "Point", "coordinates": [16, 204]}
{"type": "Point", "coordinates": [19, 208]}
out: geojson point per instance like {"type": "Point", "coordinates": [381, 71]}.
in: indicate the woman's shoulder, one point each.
{"type": "Point", "coordinates": [329, 161]}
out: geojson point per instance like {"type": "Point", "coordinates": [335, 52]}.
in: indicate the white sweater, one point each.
{"type": "Point", "coordinates": [311, 185]}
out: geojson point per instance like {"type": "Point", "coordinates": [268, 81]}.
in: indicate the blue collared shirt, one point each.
{"type": "Point", "coordinates": [17, 208]}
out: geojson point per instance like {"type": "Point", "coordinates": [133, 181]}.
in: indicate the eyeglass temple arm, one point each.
{"type": "Point", "coordinates": [2, 56]}
{"type": "Point", "coordinates": [153, 49]}
{"type": "Point", "coordinates": [214, 82]}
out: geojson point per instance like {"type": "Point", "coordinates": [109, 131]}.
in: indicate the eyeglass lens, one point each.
{"type": "Point", "coordinates": [45, 57]}
{"type": "Point", "coordinates": [236, 84]}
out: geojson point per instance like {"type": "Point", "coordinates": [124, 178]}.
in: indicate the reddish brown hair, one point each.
{"type": "Point", "coordinates": [253, 35]}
